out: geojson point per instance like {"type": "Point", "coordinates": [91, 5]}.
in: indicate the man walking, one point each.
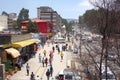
{"type": "Point", "coordinates": [51, 70]}
{"type": "Point", "coordinates": [32, 76]}
{"type": "Point", "coordinates": [46, 61]}
{"type": "Point", "coordinates": [48, 74]}
{"type": "Point", "coordinates": [28, 69]}
{"type": "Point", "coordinates": [61, 54]}
{"type": "Point", "coordinates": [43, 61]}
{"type": "Point", "coordinates": [40, 58]}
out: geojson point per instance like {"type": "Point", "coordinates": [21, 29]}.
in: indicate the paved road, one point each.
{"type": "Point", "coordinates": [37, 67]}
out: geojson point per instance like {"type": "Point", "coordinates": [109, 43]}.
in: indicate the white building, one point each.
{"type": "Point", "coordinates": [3, 22]}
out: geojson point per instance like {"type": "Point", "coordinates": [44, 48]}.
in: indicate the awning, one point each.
{"type": "Point", "coordinates": [22, 43]}
{"type": "Point", "coordinates": [13, 52]}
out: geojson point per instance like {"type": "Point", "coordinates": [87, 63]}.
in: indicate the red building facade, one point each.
{"type": "Point", "coordinates": [44, 26]}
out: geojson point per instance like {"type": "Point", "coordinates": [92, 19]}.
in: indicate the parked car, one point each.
{"type": "Point", "coordinates": [112, 56]}
{"type": "Point", "coordinates": [75, 50]}
{"type": "Point", "coordinates": [110, 75]}
{"type": "Point", "coordinates": [67, 74]}
{"type": "Point", "coordinates": [89, 39]}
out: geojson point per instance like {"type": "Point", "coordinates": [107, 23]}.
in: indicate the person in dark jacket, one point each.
{"type": "Point", "coordinates": [53, 48]}
{"type": "Point", "coordinates": [32, 76]}
{"type": "Point", "coordinates": [48, 74]}
{"type": "Point", "coordinates": [51, 70]}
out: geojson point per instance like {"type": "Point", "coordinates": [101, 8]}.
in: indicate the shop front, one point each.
{"type": "Point", "coordinates": [25, 50]}
{"type": "Point", "coordinates": [9, 58]}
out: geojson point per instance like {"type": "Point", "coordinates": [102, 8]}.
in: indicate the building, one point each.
{"type": "Point", "coordinates": [3, 22]}
{"type": "Point", "coordinates": [44, 26]}
{"type": "Point", "coordinates": [11, 19]}
{"type": "Point", "coordinates": [47, 13]}
{"type": "Point", "coordinates": [12, 16]}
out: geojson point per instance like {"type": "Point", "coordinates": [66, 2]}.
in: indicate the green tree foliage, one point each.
{"type": "Point", "coordinates": [68, 25]}
{"type": "Point", "coordinates": [23, 15]}
{"type": "Point", "coordinates": [15, 25]}
{"type": "Point", "coordinates": [32, 27]}
{"type": "Point", "coordinates": [91, 19]}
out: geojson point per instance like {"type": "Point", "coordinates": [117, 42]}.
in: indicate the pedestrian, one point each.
{"type": "Point", "coordinates": [40, 58]}
{"type": "Point", "coordinates": [61, 54]}
{"type": "Point", "coordinates": [44, 52]}
{"type": "Point", "coordinates": [46, 61]}
{"type": "Point", "coordinates": [48, 74]}
{"type": "Point", "coordinates": [50, 61]}
{"type": "Point", "coordinates": [51, 70]}
{"type": "Point", "coordinates": [37, 78]}
{"type": "Point", "coordinates": [32, 76]}
{"type": "Point", "coordinates": [56, 46]}
{"type": "Point", "coordinates": [43, 61]}
{"type": "Point", "coordinates": [28, 69]}
{"type": "Point", "coordinates": [51, 55]}
{"type": "Point", "coordinates": [58, 50]}
{"type": "Point", "coordinates": [53, 48]}
{"type": "Point", "coordinates": [48, 42]}
{"type": "Point", "coordinates": [66, 46]}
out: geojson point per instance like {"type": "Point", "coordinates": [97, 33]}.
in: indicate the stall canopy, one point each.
{"type": "Point", "coordinates": [13, 52]}
{"type": "Point", "coordinates": [22, 43]}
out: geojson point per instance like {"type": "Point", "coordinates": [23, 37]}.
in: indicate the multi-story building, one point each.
{"type": "Point", "coordinates": [47, 13]}
{"type": "Point", "coordinates": [3, 22]}
{"type": "Point", "coordinates": [11, 18]}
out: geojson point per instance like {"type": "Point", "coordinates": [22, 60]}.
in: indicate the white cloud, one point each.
{"type": "Point", "coordinates": [85, 3]}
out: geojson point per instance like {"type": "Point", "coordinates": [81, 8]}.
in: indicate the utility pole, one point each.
{"type": "Point", "coordinates": [80, 47]}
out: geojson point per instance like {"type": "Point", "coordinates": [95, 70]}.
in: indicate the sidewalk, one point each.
{"type": "Point", "coordinates": [37, 67]}
{"type": "Point", "coordinates": [34, 64]}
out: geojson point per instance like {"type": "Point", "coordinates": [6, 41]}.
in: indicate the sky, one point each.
{"type": "Point", "coordinates": [70, 9]}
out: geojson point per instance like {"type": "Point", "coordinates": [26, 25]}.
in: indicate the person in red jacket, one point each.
{"type": "Point", "coordinates": [46, 61]}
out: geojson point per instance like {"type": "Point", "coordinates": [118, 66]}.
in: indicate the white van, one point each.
{"type": "Point", "coordinates": [59, 40]}
{"type": "Point", "coordinates": [67, 74]}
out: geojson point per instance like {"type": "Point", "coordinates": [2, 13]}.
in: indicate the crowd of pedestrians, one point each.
{"type": "Point", "coordinates": [46, 58]}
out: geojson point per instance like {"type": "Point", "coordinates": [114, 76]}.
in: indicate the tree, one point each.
{"type": "Point", "coordinates": [90, 19]}
{"type": "Point", "coordinates": [32, 27]}
{"type": "Point", "coordinates": [23, 15]}
{"type": "Point", "coordinates": [107, 23]}
{"type": "Point", "coordinates": [64, 21]}
{"type": "Point", "coordinates": [15, 26]}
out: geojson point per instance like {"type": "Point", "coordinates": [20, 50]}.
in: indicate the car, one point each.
{"type": "Point", "coordinates": [75, 50]}
{"type": "Point", "coordinates": [112, 56]}
{"type": "Point", "coordinates": [67, 74]}
{"type": "Point", "coordinates": [59, 40]}
{"type": "Point", "coordinates": [89, 39]}
{"type": "Point", "coordinates": [110, 74]}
